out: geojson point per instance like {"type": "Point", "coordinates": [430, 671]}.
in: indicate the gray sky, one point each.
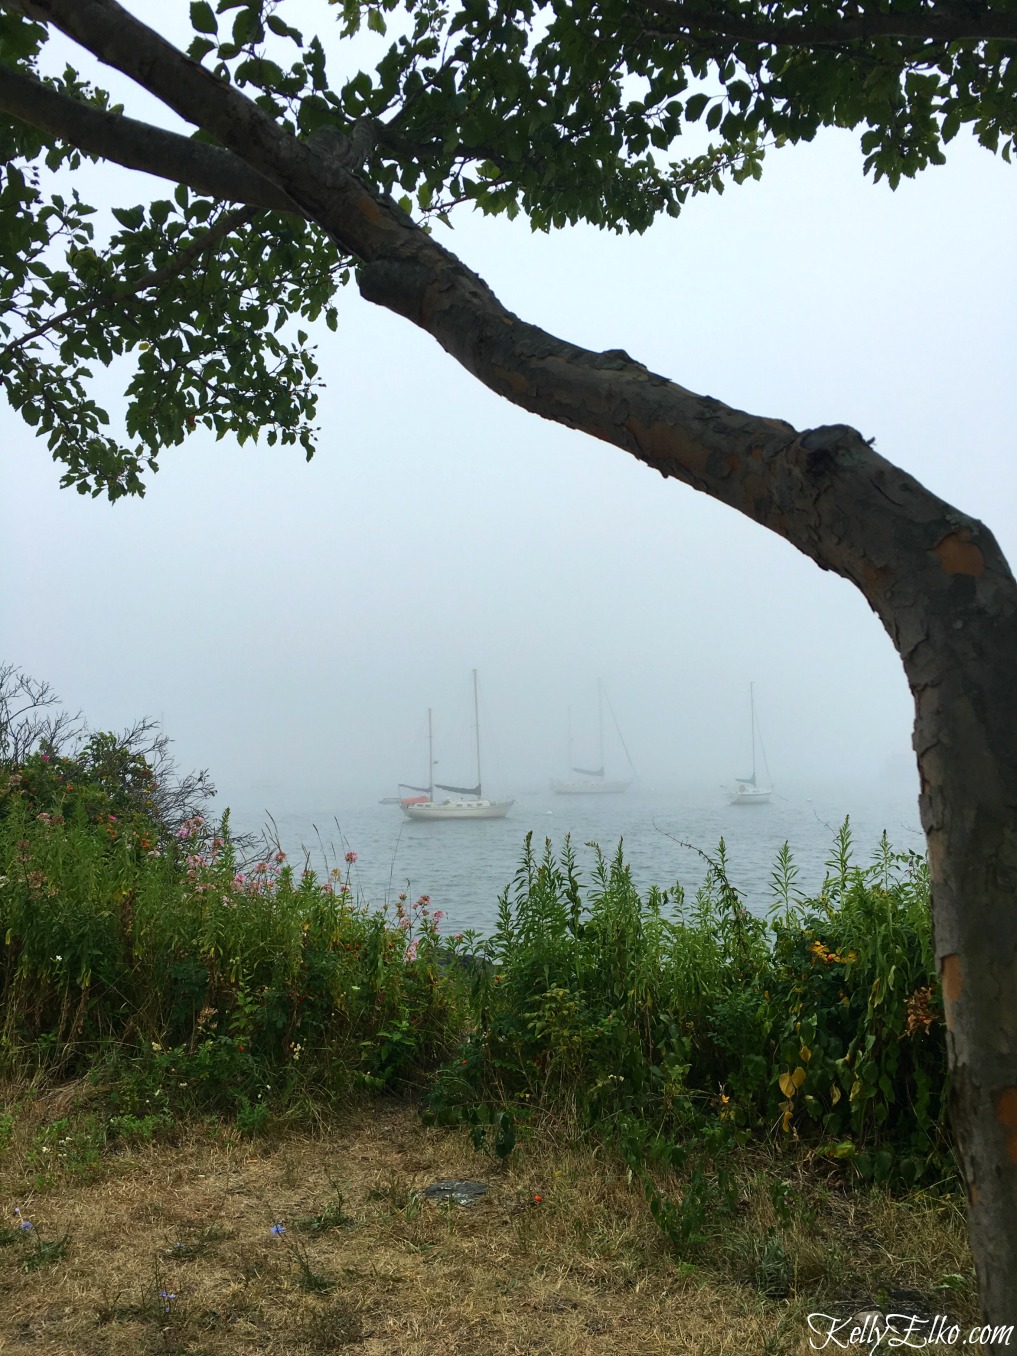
{"type": "Point", "coordinates": [292, 623]}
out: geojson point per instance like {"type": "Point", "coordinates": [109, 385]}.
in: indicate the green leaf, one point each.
{"type": "Point", "coordinates": [131, 217]}
{"type": "Point", "coordinates": [200, 48]}
{"type": "Point", "coordinates": [694, 107]}
{"type": "Point", "coordinates": [203, 19]}
{"type": "Point", "coordinates": [284, 30]}
{"type": "Point", "coordinates": [376, 21]}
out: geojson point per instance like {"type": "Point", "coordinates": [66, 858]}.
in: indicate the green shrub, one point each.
{"type": "Point", "coordinates": [822, 1025]}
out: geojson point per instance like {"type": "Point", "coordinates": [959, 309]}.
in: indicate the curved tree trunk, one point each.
{"type": "Point", "coordinates": [936, 578]}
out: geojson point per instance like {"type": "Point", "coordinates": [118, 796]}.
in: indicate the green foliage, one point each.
{"type": "Point", "coordinates": [662, 1023]}
{"type": "Point", "coordinates": [182, 980]}
{"type": "Point", "coordinates": [599, 111]}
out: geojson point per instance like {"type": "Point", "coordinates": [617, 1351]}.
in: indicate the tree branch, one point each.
{"type": "Point", "coordinates": [118, 39]}
{"type": "Point", "coordinates": [941, 23]}
{"type": "Point", "coordinates": [761, 467]}
{"type": "Point", "coordinates": [226, 224]}
{"type": "Point", "coordinates": [209, 170]}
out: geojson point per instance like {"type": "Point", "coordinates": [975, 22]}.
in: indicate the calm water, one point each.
{"type": "Point", "coordinates": [465, 865]}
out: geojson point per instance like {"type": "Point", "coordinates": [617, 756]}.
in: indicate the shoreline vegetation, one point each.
{"type": "Point", "coordinates": [225, 1083]}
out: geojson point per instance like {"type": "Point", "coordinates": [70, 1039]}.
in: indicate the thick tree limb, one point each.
{"type": "Point", "coordinates": [116, 38]}
{"type": "Point", "coordinates": [209, 170]}
{"type": "Point", "coordinates": [941, 23]}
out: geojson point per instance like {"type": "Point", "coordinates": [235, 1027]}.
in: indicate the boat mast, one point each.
{"type": "Point", "coordinates": [476, 726]}
{"type": "Point", "coordinates": [430, 758]}
{"type": "Point", "coordinates": [600, 726]}
{"type": "Point", "coordinates": [752, 715]}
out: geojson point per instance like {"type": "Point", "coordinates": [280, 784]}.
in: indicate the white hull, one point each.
{"type": "Point", "coordinates": [750, 795]}
{"type": "Point", "coordinates": [458, 809]}
{"type": "Point", "coordinates": [589, 786]}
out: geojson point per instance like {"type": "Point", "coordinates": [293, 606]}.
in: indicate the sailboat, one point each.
{"type": "Point", "coordinates": [469, 803]}
{"type": "Point", "coordinates": [746, 791]}
{"type": "Point", "coordinates": [591, 781]}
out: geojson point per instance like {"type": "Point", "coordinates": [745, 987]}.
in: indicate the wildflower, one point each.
{"type": "Point", "coordinates": [437, 917]}
{"type": "Point", "coordinates": [169, 1297]}
{"type": "Point", "coordinates": [58, 958]}
{"type": "Point", "coordinates": [411, 950]}
{"type": "Point", "coordinates": [278, 1230]}
{"type": "Point", "coordinates": [279, 858]}
{"type": "Point", "coordinates": [537, 1199]}
{"type": "Point", "coordinates": [351, 857]}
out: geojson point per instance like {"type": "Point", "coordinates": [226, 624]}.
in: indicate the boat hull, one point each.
{"type": "Point", "coordinates": [750, 795]}
{"type": "Point", "coordinates": [589, 787]}
{"type": "Point", "coordinates": [458, 809]}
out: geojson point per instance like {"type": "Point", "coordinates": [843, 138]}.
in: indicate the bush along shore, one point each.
{"type": "Point", "coordinates": [744, 1075]}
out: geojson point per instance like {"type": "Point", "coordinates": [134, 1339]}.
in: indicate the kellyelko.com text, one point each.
{"type": "Point", "coordinates": [901, 1330]}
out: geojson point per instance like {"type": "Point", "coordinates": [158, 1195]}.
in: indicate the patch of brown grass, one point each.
{"type": "Point", "coordinates": [559, 1257]}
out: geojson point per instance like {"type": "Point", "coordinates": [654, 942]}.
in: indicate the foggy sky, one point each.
{"type": "Point", "coordinates": [291, 624]}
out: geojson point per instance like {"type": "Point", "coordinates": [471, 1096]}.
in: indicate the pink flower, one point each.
{"type": "Point", "coordinates": [351, 857]}
{"type": "Point", "coordinates": [437, 917]}
{"type": "Point", "coordinates": [411, 950]}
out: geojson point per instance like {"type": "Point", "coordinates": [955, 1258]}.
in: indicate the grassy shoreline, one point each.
{"type": "Point", "coordinates": [673, 1098]}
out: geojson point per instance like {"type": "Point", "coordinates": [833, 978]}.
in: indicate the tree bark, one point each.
{"type": "Point", "coordinates": [935, 577]}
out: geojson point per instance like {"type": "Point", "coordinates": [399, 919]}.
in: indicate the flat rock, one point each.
{"type": "Point", "coordinates": [462, 1193]}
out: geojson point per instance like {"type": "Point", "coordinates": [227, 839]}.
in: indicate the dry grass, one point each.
{"type": "Point", "coordinates": [366, 1265]}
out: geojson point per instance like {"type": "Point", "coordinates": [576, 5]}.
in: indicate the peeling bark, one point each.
{"type": "Point", "coordinates": [935, 577]}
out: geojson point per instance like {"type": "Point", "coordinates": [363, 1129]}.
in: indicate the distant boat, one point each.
{"type": "Point", "coordinates": [746, 791]}
{"type": "Point", "coordinates": [587, 781]}
{"type": "Point", "coordinates": [469, 802]}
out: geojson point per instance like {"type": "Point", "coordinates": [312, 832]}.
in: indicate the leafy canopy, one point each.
{"type": "Point", "coordinates": [564, 112]}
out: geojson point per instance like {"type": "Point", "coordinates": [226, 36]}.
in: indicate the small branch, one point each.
{"type": "Point", "coordinates": [226, 224]}
{"type": "Point", "coordinates": [944, 23]}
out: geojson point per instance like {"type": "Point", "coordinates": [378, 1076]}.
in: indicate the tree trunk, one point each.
{"type": "Point", "coordinates": [936, 578]}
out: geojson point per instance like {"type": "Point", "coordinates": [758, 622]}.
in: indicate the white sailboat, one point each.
{"type": "Point", "coordinates": [466, 802]}
{"type": "Point", "coordinates": [591, 781]}
{"type": "Point", "coordinates": [746, 791]}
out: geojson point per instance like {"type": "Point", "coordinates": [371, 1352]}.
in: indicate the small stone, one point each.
{"type": "Point", "coordinates": [462, 1193]}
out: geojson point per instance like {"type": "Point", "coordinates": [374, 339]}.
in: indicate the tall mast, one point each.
{"type": "Point", "coordinates": [752, 716]}
{"type": "Point", "coordinates": [600, 726]}
{"type": "Point", "coordinates": [476, 726]}
{"type": "Point", "coordinates": [430, 757]}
